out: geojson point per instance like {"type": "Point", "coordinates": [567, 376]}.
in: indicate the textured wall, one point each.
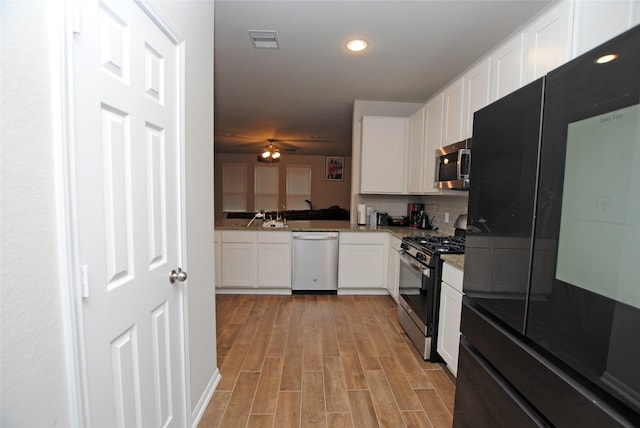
{"type": "Point", "coordinates": [33, 372]}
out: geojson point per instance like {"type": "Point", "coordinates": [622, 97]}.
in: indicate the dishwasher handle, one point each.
{"type": "Point", "coordinates": [318, 237]}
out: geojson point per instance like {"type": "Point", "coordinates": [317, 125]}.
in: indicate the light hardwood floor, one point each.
{"type": "Point", "coordinates": [318, 360]}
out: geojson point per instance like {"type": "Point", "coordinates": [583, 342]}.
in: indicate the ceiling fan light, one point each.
{"type": "Point", "coordinates": [275, 155]}
{"type": "Point", "coordinates": [266, 153]}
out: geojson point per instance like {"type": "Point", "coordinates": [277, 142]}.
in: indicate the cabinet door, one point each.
{"type": "Point", "coordinates": [507, 67]}
{"type": "Point", "coordinates": [362, 260]}
{"type": "Point", "coordinates": [393, 272]}
{"type": "Point", "coordinates": [433, 122]}
{"type": "Point", "coordinates": [239, 261]}
{"type": "Point", "coordinates": [274, 265]}
{"type": "Point", "coordinates": [597, 21]}
{"type": "Point", "coordinates": [449, 326]}
{"type": "Point", "coordinates": [416, 151]}
{"type": "Point", "coordinates": [361, 266]}
{"type": "Point", "coordinates": [476, 94]}
{"type": "Point", "coordinates": [384, 141]}
{"type": "Point", "coordinates": [453, 109]}
{"type": "Point", "coordinates": [548, 44]}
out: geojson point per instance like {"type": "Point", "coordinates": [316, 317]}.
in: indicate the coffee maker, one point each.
{"type": "Point", "coordinates": [413, 213]}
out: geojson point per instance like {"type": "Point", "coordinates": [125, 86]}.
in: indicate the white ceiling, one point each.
{"type": "Point", "coordinates": [307, 87]}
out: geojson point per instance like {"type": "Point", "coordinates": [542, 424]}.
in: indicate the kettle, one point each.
{"type": "Point", "coordinates": [424, 222]}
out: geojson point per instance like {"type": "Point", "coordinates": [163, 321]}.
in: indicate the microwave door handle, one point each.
{"type": "Point", "coordinates": [459, 163]}
{"type": "Point", "coordinates": [461, 153]}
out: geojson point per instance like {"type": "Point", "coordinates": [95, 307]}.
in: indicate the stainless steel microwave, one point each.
{"type": "Point", "coordinates": [453, 166]}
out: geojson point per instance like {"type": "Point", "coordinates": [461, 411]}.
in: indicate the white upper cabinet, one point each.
{"type": "Point", "coordinates": [507, 67]}
{"type": "Point", "coordinates": [548, 39]}
{"type": "Point", "coordinates": [384, 141]}
{"type": "Point", "coordinates": [433, 122]}
{"type": "Point", "coordinates": [477, 83]}
{"type": "Point", "coordinates": [453, 111]}
{"type": "Point", "coordinates": [415, 151]}
{"type": "Point", "coordinates": [597, 21]}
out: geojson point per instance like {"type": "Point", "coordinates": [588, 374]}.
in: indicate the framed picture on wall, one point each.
{"type": "Point", "coordinates": [334, 168]}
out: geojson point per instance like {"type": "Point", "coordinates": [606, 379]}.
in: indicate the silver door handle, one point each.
{"type": "Point", "coordinates": [177, 275]}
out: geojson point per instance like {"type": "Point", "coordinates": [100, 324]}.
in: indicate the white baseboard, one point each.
{"type": "Point", "coordinates": [274, 291]}
{"type": "Point", "coordinates": [199, 410]}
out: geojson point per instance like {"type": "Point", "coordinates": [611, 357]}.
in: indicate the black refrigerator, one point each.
{"type": "Point", "coordinates": [551, 312]}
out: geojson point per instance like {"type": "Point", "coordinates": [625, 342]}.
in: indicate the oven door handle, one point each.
{"type": "Point", "coordinates": [413, 264]}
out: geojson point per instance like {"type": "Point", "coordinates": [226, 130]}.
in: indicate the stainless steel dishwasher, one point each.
{"type": "Point", "coordinates": [315, 262]}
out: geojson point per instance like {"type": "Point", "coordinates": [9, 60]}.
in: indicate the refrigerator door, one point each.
{"type": "Point", "coordinates": [506, 141]}
{"type": "Point", "coordinates": [585, 300]}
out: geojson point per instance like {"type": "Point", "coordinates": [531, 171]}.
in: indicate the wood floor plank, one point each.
{"type": "Point", "coordinates": [214, 411]}
{"type": "Point", "coordinates": [406, 356]}
{"type": "Point", "coordinates": [364, 414]}
{"type": "Point", "coordinates": [353, 372]}
{"type": "Point", "coordinates": [260, 421]}
{"type": "Point", "coordinates": [383, 401]}
{"type": "Point", "coordinates": [239, 405]}
{"type": "Point", "coordinates": [366, 352]}
{"type": "Point", "coordinates": [328, 335]}
{"type": "Point", "coordinates": [415, 419]}
{"type": "Point", "coordinates": [292, 370]}
{"type": "Point", "coordinates": [443, 386]}
{"type": "Point", "coordinates": [436, 411]}
{"type": "Point", "coordinates": [254, 360]}
{"type": "Point", "coordinates": [288, 410]}
{"type": "Point", "coordinates": [339, 420]}
{"type": "Point", "coordinates": [230, 369]}
{"type": "Point", "coordinates": [335, 386]}
{"type": "Point", "coordinates": [313, 400]}
{"type": "Point", "coordinates": [267, 392]}
{"type": "Point", "coordinates": [400, 385]}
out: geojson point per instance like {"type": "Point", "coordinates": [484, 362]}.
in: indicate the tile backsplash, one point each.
{"type": "Point", "coordinates": [396, 206]}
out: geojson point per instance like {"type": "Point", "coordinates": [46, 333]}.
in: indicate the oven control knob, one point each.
{"type": "Point", "coordinates": [421, 257]}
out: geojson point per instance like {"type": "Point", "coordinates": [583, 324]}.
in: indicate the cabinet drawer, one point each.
{"type": "Point", "coordinates": [275, 237]}
{"type": "Point", "coordinates": [363, 238]}
{"type": "Point", "coordinates": [238, 236]}
{"type": "Point", "coordinates": [452, 276]}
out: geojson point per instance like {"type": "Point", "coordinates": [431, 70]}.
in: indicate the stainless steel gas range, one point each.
{"type": "Point", "coordinates": [419, 296]}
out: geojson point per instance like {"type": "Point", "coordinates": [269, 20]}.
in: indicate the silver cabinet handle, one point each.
{"type": "Point", "coordinates": [177, 275]}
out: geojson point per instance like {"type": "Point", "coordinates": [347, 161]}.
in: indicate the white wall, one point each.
{"type": "Point", "coordinates": [34, 384]}
{"type": "Point", "coordinates": [33, 371]}
{"type": "Point", "coordinates": [194, 19]}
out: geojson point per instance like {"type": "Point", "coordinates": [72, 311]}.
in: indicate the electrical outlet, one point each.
{"type": "Point", "coordinates": [446, 217]}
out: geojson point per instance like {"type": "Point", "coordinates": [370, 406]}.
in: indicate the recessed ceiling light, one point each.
{"type": "Point", "coordinates": [606, 58]}
{"type": "Point", "coordinates": [357, 45]}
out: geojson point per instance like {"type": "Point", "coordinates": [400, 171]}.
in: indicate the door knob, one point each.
{"type": "Point", "coordinates": [177, 275]}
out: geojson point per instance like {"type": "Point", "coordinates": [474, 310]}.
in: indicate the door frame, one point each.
{"type": "Point", "coordinates": [64, 23]}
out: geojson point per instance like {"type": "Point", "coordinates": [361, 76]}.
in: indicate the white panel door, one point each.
{"type": "Point", "coordinates": [128, 192]}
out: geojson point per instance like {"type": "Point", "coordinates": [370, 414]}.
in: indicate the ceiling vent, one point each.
{"type": "Point", "coordinates": [264, 39]}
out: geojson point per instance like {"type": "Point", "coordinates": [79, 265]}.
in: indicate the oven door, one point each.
{"type": "Point", "coordinates": [416, 292]}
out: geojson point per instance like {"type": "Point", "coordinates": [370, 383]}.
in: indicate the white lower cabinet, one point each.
{"type": "Point", "coordinates": [450, 312]}
{"type": "Point", "coordinates": [274, 259]}
{"type": "Point", "coordinates": [254, 260]}
{"type": "Point", "coordinates": [393, 276]}
{"type": "Point", "coordinates": [363, 261]}
{"type": "Point", "coordinates": [238, 258]}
